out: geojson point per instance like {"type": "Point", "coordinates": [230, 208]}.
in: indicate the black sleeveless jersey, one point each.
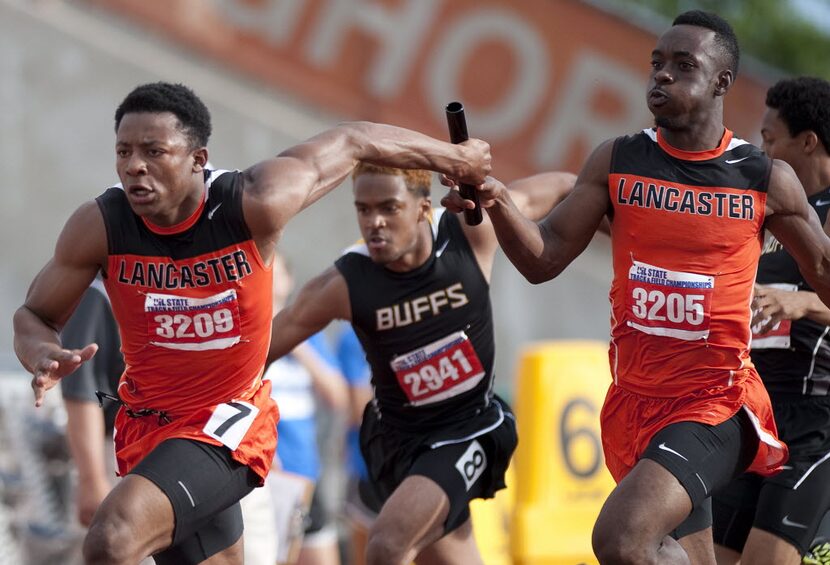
{"type": "Point", "coordinates": [427, 333]}
{"type": "Point", "coordinates": [795, 357]}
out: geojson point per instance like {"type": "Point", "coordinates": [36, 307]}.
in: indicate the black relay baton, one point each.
{"type": "Point", "coordinates": [458, 133]}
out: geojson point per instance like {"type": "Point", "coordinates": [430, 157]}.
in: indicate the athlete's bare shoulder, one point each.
{"type": "Point", "coordinates": [83, 241]}
{"type": "Point", "coordinates": [785, 195]}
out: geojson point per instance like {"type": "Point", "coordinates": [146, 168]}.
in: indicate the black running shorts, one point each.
{"type": "Point", "coordinates": [704, 459]}
{"type": "Point", "coordinates": [789, 505]}
{"type": "Point", "coordinates": [204, 485]}
{"type": "Point", "coordinates": [467, 462]}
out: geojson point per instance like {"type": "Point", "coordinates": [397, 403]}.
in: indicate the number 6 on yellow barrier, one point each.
{"type": "Point", "coordinates": [560, 477]}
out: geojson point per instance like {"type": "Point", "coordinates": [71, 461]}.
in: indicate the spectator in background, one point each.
{"type": "Point", "coordinates": [88, 427]}
{"type": "Point", "coordinates": [298, 380]}
{"type": "Point", "coordinates": [352, 360]}
{"type": "Point", "coordinates": [90, 420]}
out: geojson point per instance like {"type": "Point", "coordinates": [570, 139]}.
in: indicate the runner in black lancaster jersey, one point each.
{"type": "Point", "coordinates": [774, 519]}
{"type": "Point", "coordinates": [417, 293]}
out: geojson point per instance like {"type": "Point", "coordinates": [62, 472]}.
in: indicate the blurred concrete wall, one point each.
{"type": "Point", "coordinates": [64, 70]}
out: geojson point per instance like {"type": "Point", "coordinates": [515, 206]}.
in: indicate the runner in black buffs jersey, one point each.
{"type": "Point", "coordinates": [417, 293]}
{"type": "Point", "coordinates": [773, 520]}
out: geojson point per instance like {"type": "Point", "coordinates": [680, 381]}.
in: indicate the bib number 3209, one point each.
{"type": "Point", "coordinates": [193, 324]}
{"type": "Point", "coordinates": [669, 303]}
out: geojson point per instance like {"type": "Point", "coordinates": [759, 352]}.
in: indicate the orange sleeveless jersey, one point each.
{"type": "Point", "coordinates": [193, 305]}
{"type": "Point", "coordinates": [686, 238]}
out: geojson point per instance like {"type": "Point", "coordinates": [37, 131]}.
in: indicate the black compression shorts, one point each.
{"type": "Point", "coordinates": [204, 485]}
{"type": "Point", "coordinates": [704, 458]}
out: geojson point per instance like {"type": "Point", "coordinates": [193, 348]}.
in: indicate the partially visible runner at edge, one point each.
{"type": "Point", "coordinates": [772, 520]}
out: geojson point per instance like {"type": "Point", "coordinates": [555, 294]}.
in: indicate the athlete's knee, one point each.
{"type": "Point", "coordinates": [110, 541]}
{"type": "Point", "coordinates": [613, 542]}
{"type": "Point", "coordinates": [620, 552]}
{"type": "Point", "coordinates": [607, 549]}
{"type": "Point", "coordinates": [385, 548]}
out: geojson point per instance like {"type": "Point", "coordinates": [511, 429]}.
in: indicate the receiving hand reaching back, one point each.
{"type": "Point", "coordinates": [54, 364]}
{"type": "Point", "coordinates": [488, 193]}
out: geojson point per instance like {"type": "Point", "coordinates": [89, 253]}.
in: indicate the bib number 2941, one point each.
{"type": "Point", "coordinates": [439, 370]}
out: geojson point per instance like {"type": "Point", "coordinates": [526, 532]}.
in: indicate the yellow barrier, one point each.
{"type": "Point", "coordinates": [491, 524]}
{"type": "Point", "coordinates": [560, 479]}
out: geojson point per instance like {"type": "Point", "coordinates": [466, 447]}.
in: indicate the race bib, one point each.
{"type": "Point", "coordinates": [669, 303]}
{"type": "Point", "coordinates": [230, 422]}
{"type": "Point", "coordinates": [440, 370]}
{"type": "Point", "coordinates": [779, 336]}
{"type": "Point", "coordinates": [193, 324]}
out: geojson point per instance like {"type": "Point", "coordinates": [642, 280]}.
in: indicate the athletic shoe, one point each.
{"type": "Point", "coordinates": [818, 555]}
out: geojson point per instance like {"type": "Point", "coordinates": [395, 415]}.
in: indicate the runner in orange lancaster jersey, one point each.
{"type": "Point", "coordinates": [186, 256]}
{"type": "Point", "coordinates": [688, 202]}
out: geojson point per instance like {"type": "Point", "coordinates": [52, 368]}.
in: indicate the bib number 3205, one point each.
{"type": "Point", "coordinates": [669, 303]}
